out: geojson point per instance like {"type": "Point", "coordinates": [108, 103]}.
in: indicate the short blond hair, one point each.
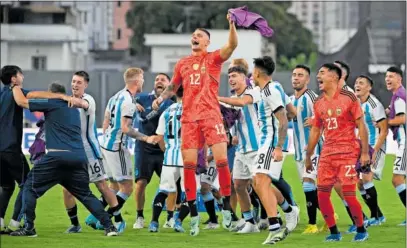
{"type": "Point", "coordinates": [131, 73]}
{"type": "Point", "coordinates": [241, 63]}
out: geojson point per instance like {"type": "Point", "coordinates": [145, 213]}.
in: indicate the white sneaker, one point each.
{"type": "Point", "coordinates": [227, 219]}
{"type": "Point", "coordinates": [292, 218]}
{"type": "Point", "coordinates": [263, 224]}
{"type": "Point", "coordinates": [169, 223]}
{"type": "Point", "coordinates": [212, 226]}
{"type": "Point", "coordinates": [194, 226]}
{"type": "Point", "coordinates": [249, 228]}
{"type": "Point", "coordinates": [139, 224]}
{"type": "Point", "coordinates": [237, 225]}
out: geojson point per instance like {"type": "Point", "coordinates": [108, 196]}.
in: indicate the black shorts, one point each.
{"type": "Point", "coordinates": [13, 168]}
{"type": "Point", "coordinates": [146, 164]}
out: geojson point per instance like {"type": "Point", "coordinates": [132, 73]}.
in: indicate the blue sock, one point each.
{"type": "Point", "coordinates": [248, 217]}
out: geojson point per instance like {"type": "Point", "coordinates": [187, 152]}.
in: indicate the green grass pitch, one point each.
{"type": "Point", "coordinates": [52, 221]}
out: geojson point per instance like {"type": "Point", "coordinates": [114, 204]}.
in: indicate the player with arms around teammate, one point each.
{"type": "Point", "coordinates": [117, 128]}
{"type": "Point", "coordinates": [397, 124]}
{"type": "Point", "coordinates": [303, 100]}
{"type": "Point", "coordinates": [169, 138]}
{"type": "Point", "coordinates": [65, 162]}
{"type": "Point", "coordinates": [338, 113]}
{"type": "Point", "coordinates": [97, 175]}
{"type": "Point", "coordinates": [376, 122]}
{"type": "Point", "coordinates": [201, 118]}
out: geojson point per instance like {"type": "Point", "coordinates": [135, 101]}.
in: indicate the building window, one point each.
{"type": "Point", "coordinates": [119, 3]}
{"type": "Point", "coordinates": [316, 6]}
{"type": "Point", "coordinates": [315, 18]}
{"type": "Point", "coordinates": [304, 13]}
{"type": "Point", "coordinates": [58, 18]}
{"type": "Point", "coordinates": [119, 33]}
{"type": "Point", "coordinates": [39, 63]}
{"type": "Point", "coordinates": [304, 5]}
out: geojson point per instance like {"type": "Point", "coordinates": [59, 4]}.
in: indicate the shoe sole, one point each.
{"type": "Point", "coordinates": [112, 234]}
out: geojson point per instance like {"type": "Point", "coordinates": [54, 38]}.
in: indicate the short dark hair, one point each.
{"type": "Point", "coordinates": [56, 87]}
{"type": "Point", "coordinates": [237, 69]}
{"type": "Point", "coordinates": [395, 70]}
{"type": "Point", "coordinates": [345, 67]}
{"type": "Point", "coordinates": [333, 67]}
{"type": "Point", "coordinates": [303, 67]}
{"type": "Point", "coordinates": [9, 71]}
{"type": "Point", "coordinates": [265, 63]}
{"type": "Point", "coordinates": [83, 74]}
{"type": "Point", "coordinates": [165, 74]}
{"type": "Point", "coordinates": [205, 31]}
{"type": "Point", "coordinates": [180, 92]}
{"type": "Point", "coordinates": [369, 79]}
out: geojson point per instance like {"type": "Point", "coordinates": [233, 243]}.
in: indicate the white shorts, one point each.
{"type": "Point", "coordinates": [169, 178]}
{"type": "Point", "coordinates": [265, 163]}
{"type": "Point", "coordinates": [211, 176]}
{"type": "Point", "coordinates": [118, 164]}
{"type": "Point", "coordinates": [96, 171]}
{"type": "Point", "coordinates": [399, 167]}
{"type": "Point", "coordinates": [377, 167]}
{"type": "Point", "coordinates": [302, 173]}
{"type": "Point", "coordinates": [244, 165]}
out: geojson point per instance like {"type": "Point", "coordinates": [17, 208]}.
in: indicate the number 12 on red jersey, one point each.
{"type": "Point", "coordinates": [195, 78]}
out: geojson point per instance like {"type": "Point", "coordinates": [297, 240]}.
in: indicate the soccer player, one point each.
{"type": "Point", "coordinates": [303, 100]}
{"type": "Point", "coordinates": [65, 162]}
{"type": "Point", "coordinates": [345, 75]}
{"type": "Point", "coordinates": [97, 175]}
{"type": "Point", "coordinates": [13, 164]}
{"type": "Point", "coordinates": [169, 137]}
{"type": "Point", "coordinates": [397, 124]}
{"type": "Point", "coordinates": [376, 122]}
{"type": "Point", "coordinates": [117, 128]}
{"type": "Point", "coordinates": [201, 119]}
{"type": "Point", "coordinates": [338, 113]}
{"type": "Point", "coordinates": [148, 158]}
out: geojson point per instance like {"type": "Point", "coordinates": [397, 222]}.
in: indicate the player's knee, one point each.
{"type": "Point", "coordinates": [360, 184]}
{"type": "Point", "coordinates": [127, 187]}
{"type": "Point", "coordinates": [397, 180]}
{"type": "Point", "coordinates": [240, 186]}
{"type": "Point", "coordinates": [141, 185]}
{"type": "Point", "coordinates": [102, 186]}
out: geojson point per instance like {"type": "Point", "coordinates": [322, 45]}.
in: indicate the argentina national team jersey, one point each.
{"type": "Point", "coordinates": [169, 126]}
{"type": "Point", "coordinates": [120, 105]}
{"type": "Point", "coordinates": [348, 88]}
{"type": "Point", "coordinates": [304, 106]}
{"type": "Point", "coordinates": [270, 103]}
{"type": "Point", "coordinates": [88, 126]}
{"type": "Point", "coordinates": [247, 126]}
{"type": "Point", "coordinates": [400, 108]}
{"type": "Point", "coordinates": [286, 100]}
{"type": "Point", "coordinates": [373, 113]}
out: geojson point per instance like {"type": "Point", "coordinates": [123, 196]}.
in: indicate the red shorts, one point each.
{"type": "Point", "coordinates": [195, 134]}
{"type": "Point", "coordinates": [338, 168]}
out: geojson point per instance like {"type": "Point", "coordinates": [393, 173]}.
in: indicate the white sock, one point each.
{"type": "Point", "coordinates": [1, 223]}
{"type": "Point", "coordinates": [14, 224]}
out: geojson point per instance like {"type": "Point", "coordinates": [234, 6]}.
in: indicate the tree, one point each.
{"type": "Point", "coordinates": [289, 64]}
{"type": "Point", "coordinates": [290, 36]}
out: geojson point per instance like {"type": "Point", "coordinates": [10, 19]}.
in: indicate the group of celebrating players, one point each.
{"type": "Point", "coordinates": [183, 136]}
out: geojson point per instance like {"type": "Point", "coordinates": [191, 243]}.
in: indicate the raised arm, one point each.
{"type": "Point", "coordinates": [227, 50]}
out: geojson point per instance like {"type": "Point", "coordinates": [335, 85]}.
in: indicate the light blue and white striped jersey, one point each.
{"type": "Point", "coordinates": [304, 106]}
{"type": "Point", "coordinates": [373, 113]}
{"type": "Point", "coordinates": [120, 105]}
{"type": "Point", "coordinates": [286, 100]}
{"type": "Point", "coordinates": [348, 88]}
{"type": "Point", "coordinates": [88, 128]}
{"type": "Point", "coordinates": [400, 108]}
{"type": "Point", "coordinates": [169, 126]}
{"type": "Point", "coordinates": [271, 101]}
{"type": "Point", "coordinates": [247, 126]}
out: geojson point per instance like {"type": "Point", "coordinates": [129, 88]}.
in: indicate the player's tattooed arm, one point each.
{"type": "Point", "coordinates": [126, 126]}
{"type": "Point", "coordinates": [282, 126]}
{"type": "Point", "coordinates": [227, 50]}
{"type": "Point", "coordinates": [235, 101]}
{"type": "Point", "coordinates": [167, 93]}
{"type": "Point", "coordinates": [106, 121]}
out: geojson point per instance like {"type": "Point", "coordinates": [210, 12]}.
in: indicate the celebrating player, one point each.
{"type": "Point", "coordinates": [345, 75]}
{"type": "Point", "coordinates": [338, 113]}
{"type": "Point", "coordinates": [303, 100]}
{"type": "Point", "coordinates": [201, 119]}
{"type": "Point", "coordinates": [397, 124]}
{"type": "Point", "coordinates": [376, 122]}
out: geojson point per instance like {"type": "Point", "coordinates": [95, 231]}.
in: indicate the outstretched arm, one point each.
{"type": "Point", "coordinates": [236, 101]}
{"type": "Point", "coordinates": [227, 50]}
{"type": "Point", "coordinates": [19, 97]}
{"type": "Point", "coordinates": [47, 95]}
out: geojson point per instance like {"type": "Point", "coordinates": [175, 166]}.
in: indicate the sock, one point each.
{"type": "Point", "coordinates": [285, 190]}
{"type": "Point", "coordinates": [103, 201]}
{"type": "Point", "coordinates": [263, 213]}
{"type": "Point", "coordinates": [285, 207]}
{"type": "Point", "coordinates": [311, 196]}
{"type": "Point", "coordinates": [254, 199]}
{"type": "Point", "coordinates": [349, 192]}
{"type": "Point", "coordinates": [220, 203]}
{"type": "Point", "coordinates": [334, 230]}
{"type": "Point", "coordinates": [170, 214]}
{"type": "Point", "coordinates": [73, 215]}
{"type": "Point", "coordinates": [226, 203]}
{"type": "Point", "coordinates": [190, 181]}
{"type": "Point", "coordinates": [225, 180]}
{"type": "Point", "coordinates": [325, 205]}
{"type": "Point", "coordinates": [2, 225]}
{"type": "Point", "coordinates": [158, 205]}
{"type": "Point", "coordinates": [184, 211]}
{"type": "Point", "coordinates": [121, 199]}
{"type": "Point", "coordinates": [234, 216]}
{"type": "Point", "coordinates": [115, 211]}
{"type": "Point", "coordinates": [209, 202]}
{"type": "Point", "coordinates": [348, 210]}
{"type": "Point", "coordinates": [273, 224]}
{"type": "Point", "coordinates": [248, 217]}
{"type": "Point", "coordinates": [371, 199]}
{"type": "Point", "coordinates": [401, 190]}
{"type": "Point", "coordinates": [140, 213]}
{"type": "Point", "coordinates": [192, 208]}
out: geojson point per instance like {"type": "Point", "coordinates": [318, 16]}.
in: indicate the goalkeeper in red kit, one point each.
{"type": "Point", "coordinates": [202, 122]}
{"type": "Point", "coordinates": [338, 113]}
